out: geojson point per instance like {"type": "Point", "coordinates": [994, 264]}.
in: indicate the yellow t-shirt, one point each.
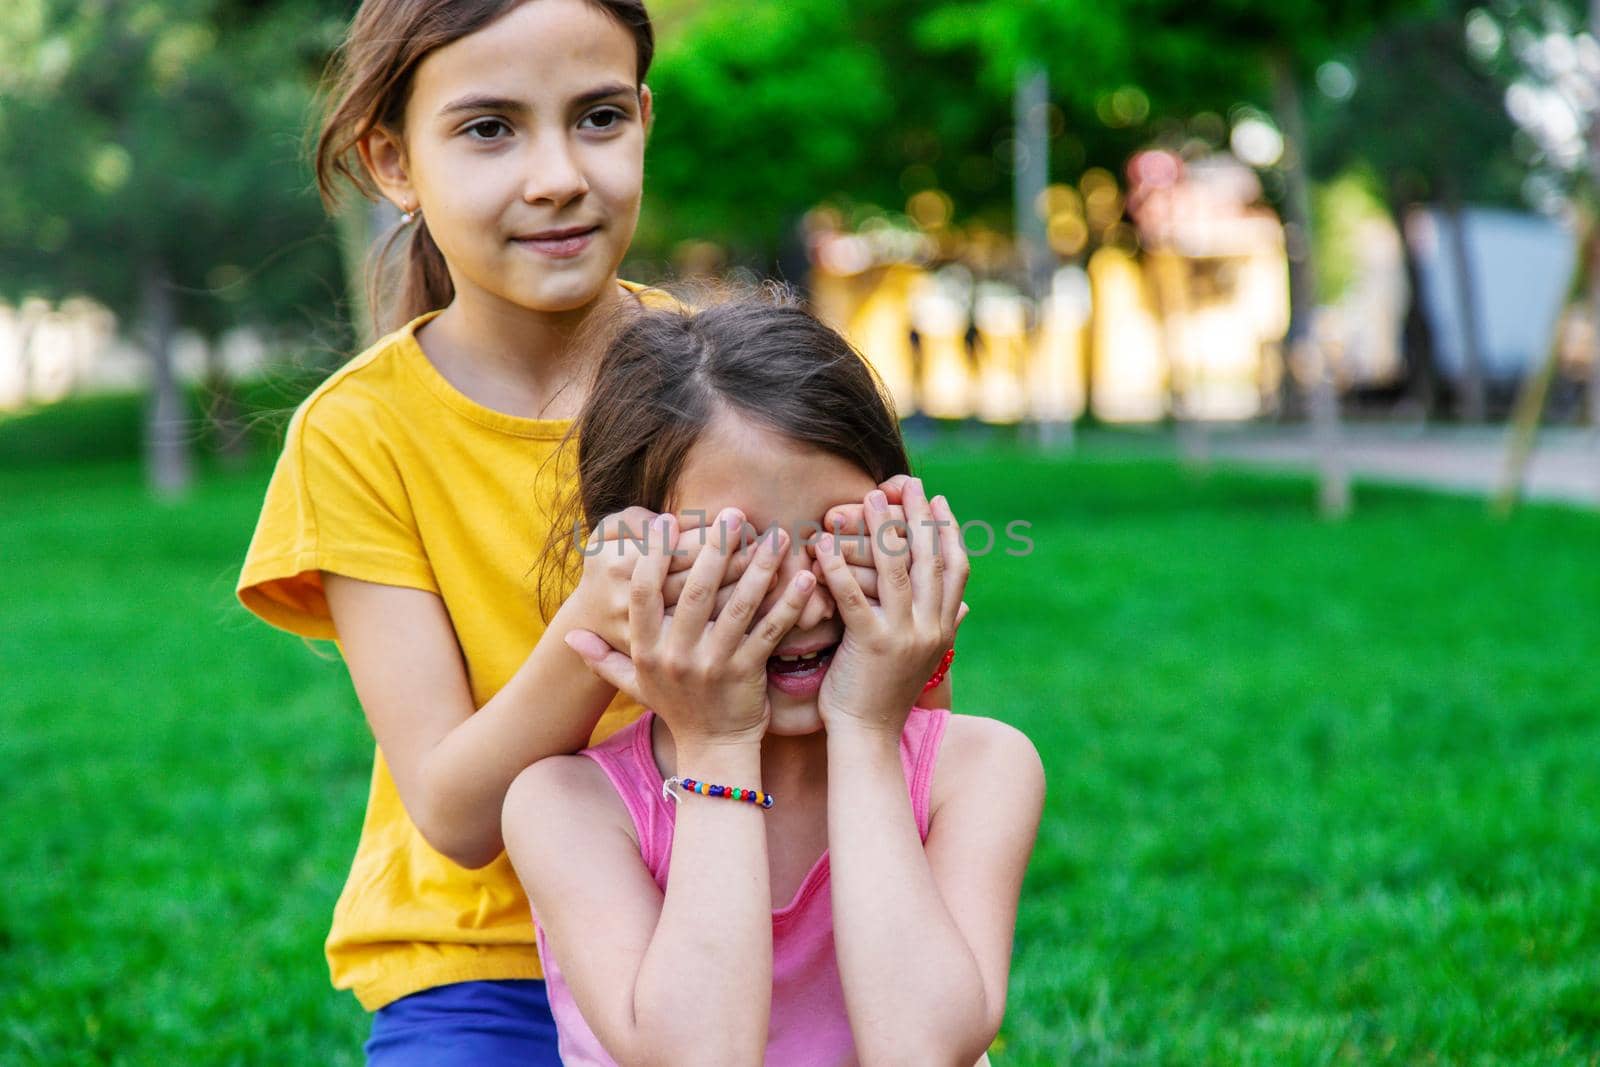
{"type": "Point", "coordinates": [391, 475]}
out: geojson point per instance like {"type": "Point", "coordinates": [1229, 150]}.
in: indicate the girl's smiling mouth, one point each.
{"type": "Point", "coordinates": [559, 244]}
{"type": "Point", "coordinates": [800, 677]}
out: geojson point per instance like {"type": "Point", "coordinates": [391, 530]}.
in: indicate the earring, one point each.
{"type": "Point", "coordinates": [410, 215]}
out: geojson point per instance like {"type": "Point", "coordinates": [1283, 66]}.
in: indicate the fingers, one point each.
{"type": "Point", "coordinates": [644, 588]}
{"type": "Point", "coordinates": [891, 554]}
{"type": "Point", "coordinates": [763, 641]}
{"type": "Point", "coordinates": [848, 519]}
{"type": "Point", "coordinates": [689, 548]}
{"type": "Point", "coordinates": [746, 545]}
{"type": "Point", "coordinates": [630, 524]}
{"type": "Point", "coordinates": [894, 488]}
{"type": "Point", "coordinates": [927, 562]}
{"type": "Point", "coordinates": [847, 595]}
{"type": "Point", "coordinates": [692, 611]}
{"type": "Point", "coordinates": [724, 595]}
{"type": "Point", "coordinates": [956, 566]}
{"type": "Point", "coordinates": [892, 491]}
{"type": "Point", "coordinates": [734, 619]}
{"type": "Point", "coordinates": [696, 528]}
{"type": "Point", "coordinates": [866, 577]}
{"type": "Point", "coordinates": [606, 663]}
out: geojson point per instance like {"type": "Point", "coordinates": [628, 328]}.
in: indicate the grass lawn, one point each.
{"type": "Point", "coordinates": [1318, 793]}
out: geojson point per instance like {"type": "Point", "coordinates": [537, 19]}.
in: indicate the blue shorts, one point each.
{"type": "Point", "coordinates": [467, 1024]}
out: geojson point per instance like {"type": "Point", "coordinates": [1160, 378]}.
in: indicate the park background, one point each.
{"type": "Point", "coordinates": [1319, 750]}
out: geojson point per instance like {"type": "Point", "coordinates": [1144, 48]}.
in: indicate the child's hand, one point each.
{"type": "Point", "coordinates": [706, 678]}
{"type": "Point", "coordinates": [853, 517]}
{"type": "Point", "coordinates": [890, 650]}
{"type": "Point", "coordinates": [613, 551]}
{"type": "Point", "coordinates": [695, 530]}
{"type": "Point", "coordinates": [854, 546]}
{"type": "Point", "coordinates": [850, 521]}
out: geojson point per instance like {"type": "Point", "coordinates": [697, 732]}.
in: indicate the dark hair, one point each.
{"type": "Point", "coordinates": [668, 373]}
{"type": "Point", "coordinates": [370, 78]}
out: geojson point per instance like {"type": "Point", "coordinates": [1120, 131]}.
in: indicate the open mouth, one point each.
{"type": "Point", "coordinates": [799, 666]}
{"type": "Point", "coordinates": [800, 677]}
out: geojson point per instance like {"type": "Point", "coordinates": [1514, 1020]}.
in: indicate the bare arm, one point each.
{"type": "Point", "coordinates": [922, 933]}
{"type": "Point", "coordinates": [653, 974]}
{"type": "Point", "coordinates": [452, 765]}
{"type": "Point", "coordinates": [851, 519]}
{"type": "Point", "coordinates": [924, 966]}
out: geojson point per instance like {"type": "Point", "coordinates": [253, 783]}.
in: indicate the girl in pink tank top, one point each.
{"type": "Point", "coordinates": [788, 860]}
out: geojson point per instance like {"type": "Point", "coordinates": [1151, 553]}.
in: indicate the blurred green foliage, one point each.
{"type": "Point", "coordinates": [1425, 120]}
{"type": "Point", "coordinates": [104, 427]}
{"type": "Point", "coordinates": [765, 109]}
{"type": "Point", "coordinates": [172, 135]}
{"type": "Point", "coordinates": [1340, 209]}
{"type": "Point", "coordinates": [176, 130]}
{"type": "Point", "coordinates": [166, 138]}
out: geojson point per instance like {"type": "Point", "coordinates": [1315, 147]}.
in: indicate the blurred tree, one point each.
{"type": "Point", "coordinates": [150, 157]}
{"type": "Point", "coordinates": [1547, 52]}
{"type": "Point", "coordinates": [1177, 58]}
{"type": "Point", "coordinates": [1429, 123]}
{"type": "Point", "coordinates": [762, 110]}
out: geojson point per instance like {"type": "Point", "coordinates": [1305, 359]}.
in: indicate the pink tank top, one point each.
{"type": "Point", "coordinates": [808, 1024]}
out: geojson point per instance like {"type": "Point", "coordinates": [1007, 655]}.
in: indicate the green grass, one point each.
{"type": "Point", "coordinates": [1318, 793]}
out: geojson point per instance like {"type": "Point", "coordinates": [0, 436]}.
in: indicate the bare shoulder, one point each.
{"type": "Point", "coordinates": [975, 743]}
{"type": "Point", "coordinates": [563, 797]}
{"type": "Point", "coordinates": [986, 754]}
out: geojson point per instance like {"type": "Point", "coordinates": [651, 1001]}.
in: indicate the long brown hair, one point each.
{"type": "Point", "coordinates": [668, 372]}
{"type": "Point", "coordinates": [369, 81]}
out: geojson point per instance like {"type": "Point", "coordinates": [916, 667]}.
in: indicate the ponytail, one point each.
{"type": "Point", "coordinates": [411, 280]}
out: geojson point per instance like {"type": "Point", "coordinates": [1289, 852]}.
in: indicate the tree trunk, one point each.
{"type": "Point", "coordinates": [1301, 346]}
{"type": "Point", "coordinates": [1594, 320]}
{"type": "Point", "coordinates": [166, 437]}
{"type": "Point", "coordinates": [1523, 432]}
{"type": "Point", "coordinates": [1296, 218]}
{"type": "Point", "coordinates": [1032, 174]}
{"type": "Point", "coordinates": [1471, 404]}
{"type": "Point", "coordinates": [1422, 366]}
{"type": "Point", "coordinates": [1032, 166]}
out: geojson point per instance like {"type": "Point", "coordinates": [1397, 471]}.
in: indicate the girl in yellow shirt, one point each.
{"type": "Point", "coordinates": [417, 485]}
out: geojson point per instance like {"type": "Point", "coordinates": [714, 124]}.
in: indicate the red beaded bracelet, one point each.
{"type": "Point", "coordinates": [706, 789]}
{"type": "Point", "coordinates": [944, 668]}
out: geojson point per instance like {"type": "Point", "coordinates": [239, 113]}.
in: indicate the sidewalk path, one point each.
{"type": "Point", "coordinates": [1565, 465]}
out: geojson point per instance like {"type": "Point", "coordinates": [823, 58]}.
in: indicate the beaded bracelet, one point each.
{"type": "Point", "coordinates": [944, 667]}
{"type": "Point", "coordinates": [705, 789]}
